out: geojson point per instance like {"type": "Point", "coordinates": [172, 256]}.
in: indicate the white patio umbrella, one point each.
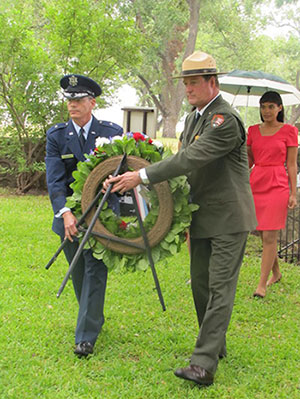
{"type": "Point", "coordinates": [244, 88]}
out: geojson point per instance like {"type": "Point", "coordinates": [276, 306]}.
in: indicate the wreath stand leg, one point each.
{"type": "Point", "coordinates": [145, 247]}
{"type": "Point", "coordinates": [78, 224]}
{"type": "Point", "coordinates": [88, 231]}
{"type": "Point", "coordinates": [148, 250]}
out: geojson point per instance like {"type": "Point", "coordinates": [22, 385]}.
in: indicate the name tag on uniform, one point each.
{"type": "Point", "coordinates": [67, 156]}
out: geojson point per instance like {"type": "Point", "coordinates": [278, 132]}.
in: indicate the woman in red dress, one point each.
{"type": "Point", "coordinates": [272, 151]}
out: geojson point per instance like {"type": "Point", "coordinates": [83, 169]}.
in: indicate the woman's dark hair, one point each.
{"type": "Point", "coordinates": [272, 97]}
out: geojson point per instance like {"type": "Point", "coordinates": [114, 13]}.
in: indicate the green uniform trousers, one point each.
{"type": "Point", "coordinates": [215, 265]}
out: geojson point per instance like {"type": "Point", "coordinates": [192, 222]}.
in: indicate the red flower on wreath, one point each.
{"type": "Point", "coordinates": [99, 151]}
{"type": "Point", "coordinates": [138, 136]}
{"type": "Point", "coordinates": [123, 225]}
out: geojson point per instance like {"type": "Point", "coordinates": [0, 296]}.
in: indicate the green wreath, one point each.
{"type": "Point", "coordinates": [136, 145]}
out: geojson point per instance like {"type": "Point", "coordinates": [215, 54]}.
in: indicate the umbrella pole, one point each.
{"type": "Point", "coordinates": [245, 117]}
{"type": "Point", "coordinates": [248, 94]}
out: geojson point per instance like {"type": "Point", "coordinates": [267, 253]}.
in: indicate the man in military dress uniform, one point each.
{"type": "Point", "coordinates": [213, 157]}
{"type": "Point", "coordinates": [66, 145]}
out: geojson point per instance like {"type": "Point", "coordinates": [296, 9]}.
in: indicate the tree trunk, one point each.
{"type": "Point", "coordinates": [169, 125]}
{"type": "Point", "coordinates": [174, 92]}
{"type": "Point", "coordinates": [169, 102]}
{"type": "Point", "coordinates": [26, 181]}
{"type": "Point", "coordinates": [295, 115]}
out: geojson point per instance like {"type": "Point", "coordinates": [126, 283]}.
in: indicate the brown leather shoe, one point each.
{"type": "Point", "coordinates": [84, 349]}
{"type": "Point", "coordinates": [195, 373]}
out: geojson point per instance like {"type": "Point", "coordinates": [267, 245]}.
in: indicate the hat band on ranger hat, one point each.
{"type": "Point", "coordinates": [200, 71]}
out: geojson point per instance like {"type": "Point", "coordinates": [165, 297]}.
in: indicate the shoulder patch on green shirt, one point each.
{"type": "Point", "coordinates": [217, 120]}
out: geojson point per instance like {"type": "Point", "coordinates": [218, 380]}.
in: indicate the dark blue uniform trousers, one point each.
{"type": "Point", "coordinates": [89, 280]}
{"type": "Point", "coordinates": [215, 265]}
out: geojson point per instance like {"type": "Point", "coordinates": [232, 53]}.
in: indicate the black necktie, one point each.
{"type": "Point", "coordinates": [196, 118]}
{"type": "Point", "coordinates": [81, 137]}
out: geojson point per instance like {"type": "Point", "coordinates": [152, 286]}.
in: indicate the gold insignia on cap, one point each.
{"type": "Point", "coordinates": [73, 80]}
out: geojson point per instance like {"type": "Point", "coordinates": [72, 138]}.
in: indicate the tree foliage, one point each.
{"type": "Point", "coordinates": [280, 3]}
{"type": "Point", "coordinates": [141, 41]}
{"type": "Point", "coordinates": [25, 78]}
{"type": "Point", "coordinates": [169, 29]}
{"type": "Point", "coordinates": [44, 40]}
{"type": "Point", "coordinates": [91, 37]}
{"type": "Point", "coordinates": [233, 32]}
{"type": "Point", "coordinates": [286, 49]}
{"type": "Point", "coordinates": [228, 29]}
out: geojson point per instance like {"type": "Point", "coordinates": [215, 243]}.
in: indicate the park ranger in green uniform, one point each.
{"type": "Point", "coordinates": [213, 157]}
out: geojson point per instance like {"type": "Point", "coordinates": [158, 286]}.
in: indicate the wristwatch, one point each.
{"type": "Point", "coordinates": [143, 176]}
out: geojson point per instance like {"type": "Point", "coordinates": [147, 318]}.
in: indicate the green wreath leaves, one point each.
{"type": "Point", "coordinates": [136, 144]}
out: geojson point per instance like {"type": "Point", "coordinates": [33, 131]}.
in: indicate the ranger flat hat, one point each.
{"type": "Point", "coordinates": [199, 63]}
{"type": "Point", "coordinates": [79, 86]}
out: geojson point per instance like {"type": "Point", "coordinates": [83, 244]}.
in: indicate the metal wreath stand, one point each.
{"type": "Point", "coordinates": [90, 196]}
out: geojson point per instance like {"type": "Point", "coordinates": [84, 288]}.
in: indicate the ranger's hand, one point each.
{"type": "Point", "coordinates": [123, 183]}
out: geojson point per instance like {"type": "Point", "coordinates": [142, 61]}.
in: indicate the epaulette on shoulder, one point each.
{"type": "Point", "coordinates": [56, 127]}
{"type": "Point", "coordinates": [112, 125]}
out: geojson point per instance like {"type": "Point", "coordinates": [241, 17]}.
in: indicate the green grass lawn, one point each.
{"type": "Point", "coordinates": [140, 345]}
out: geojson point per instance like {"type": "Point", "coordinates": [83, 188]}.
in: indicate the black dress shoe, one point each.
{"type": "Point", "coordinates": [195, 373]}
{"type": "Point", "coordinates": [223, 353]}
{"type": "Point", "coordinates": [84, 349]}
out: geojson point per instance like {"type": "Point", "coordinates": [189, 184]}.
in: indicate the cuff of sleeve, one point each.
{"type": "Point", "coordinates": [62, 211]}
{"type": "Point", "coordinates": [143, 176]}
